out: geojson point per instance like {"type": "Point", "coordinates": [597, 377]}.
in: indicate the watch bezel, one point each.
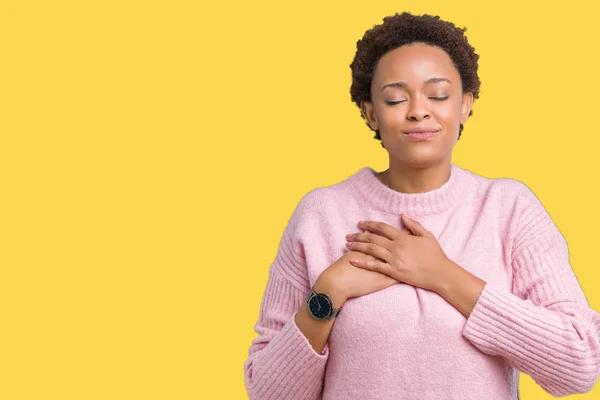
{"type": "Point", "coordinates": [328, 301]}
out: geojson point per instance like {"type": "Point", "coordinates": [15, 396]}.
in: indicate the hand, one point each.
{"type": "Point", "coordinates": [411, 255]}
{"type": "Point", "coordinates": [346, 281]}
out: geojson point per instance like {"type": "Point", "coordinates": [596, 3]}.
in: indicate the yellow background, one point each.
{"type": "Point", "coordinates": [152, 152]}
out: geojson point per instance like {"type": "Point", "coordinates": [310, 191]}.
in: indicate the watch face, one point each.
{"type": "Point", "coordinates": [320, 306]}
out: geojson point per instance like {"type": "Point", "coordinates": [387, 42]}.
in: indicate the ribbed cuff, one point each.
{"type": "Point", "coordinates": [535, 340]}
{"type": "Point", "coordinates": [289, 367]}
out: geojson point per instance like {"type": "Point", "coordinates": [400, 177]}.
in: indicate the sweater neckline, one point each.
{"type": "Point", "coordinates": [381, 197]}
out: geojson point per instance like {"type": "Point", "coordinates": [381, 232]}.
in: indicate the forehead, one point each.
{"type": "Point", "coordinates": [414, 64]}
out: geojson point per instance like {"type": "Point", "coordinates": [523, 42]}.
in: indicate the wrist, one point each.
{"type": "Point", "coordinates": [447, 279]}
{"type": "Point", "coordinates": [328, 287]}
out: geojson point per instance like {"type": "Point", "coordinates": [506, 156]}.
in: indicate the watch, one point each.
{"type": "Point", "coordinates": [320, 306]}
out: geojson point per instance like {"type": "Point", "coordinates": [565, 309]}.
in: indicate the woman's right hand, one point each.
{"type": "Point", "coordinates": [351, 281]}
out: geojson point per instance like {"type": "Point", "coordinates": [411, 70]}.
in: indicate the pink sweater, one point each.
{"type": "Point", "coordinates": [405, 342]}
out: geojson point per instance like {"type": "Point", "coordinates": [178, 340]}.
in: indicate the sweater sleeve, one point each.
{"type": "Point", "coordinates": [281, 363]}
{"type": "Point", "coordinates": [545, 327]}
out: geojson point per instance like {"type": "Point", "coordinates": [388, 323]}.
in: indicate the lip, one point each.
{"type": "Point", "coordinates": [420, 129]}
{"type": "Point", "coordinates": [422, 135]}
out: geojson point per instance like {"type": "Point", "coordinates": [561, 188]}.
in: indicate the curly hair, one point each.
{"type": "Point", "coordinates": [400, 29]}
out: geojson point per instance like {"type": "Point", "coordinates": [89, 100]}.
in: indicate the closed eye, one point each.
{"type": "Point", "coordinates": [391, 103]}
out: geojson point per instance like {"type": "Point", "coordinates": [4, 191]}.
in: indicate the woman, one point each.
{"type": "Point", "coordinates": [452, 285]}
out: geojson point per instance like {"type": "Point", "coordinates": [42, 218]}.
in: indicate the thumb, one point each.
{"type": "Point", "coordinates": [415, 227]}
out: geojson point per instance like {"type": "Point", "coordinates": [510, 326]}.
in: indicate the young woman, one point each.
{"type": "Point", "coordinates": [452, 284]}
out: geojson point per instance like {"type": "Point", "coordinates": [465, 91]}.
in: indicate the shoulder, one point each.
{"type": "Point", "coordinates": [526, 218]}
{"type": "Point", "coordinates": [319, 199]}
{"type": "Point", "coordinates": [519, 196]}
{"type": "Point", "coordinates": [516, 201]}
{"type": "Point", "coordinates": [531, 222]}
{"type": "Point", "coordinates": [512, 192]}
{"type": "Point", "coordinates": [321, 205]}
{"type": "Point", "coordinates": [519, 201]}
{"type": "Point", "coordinates": [309, 208]}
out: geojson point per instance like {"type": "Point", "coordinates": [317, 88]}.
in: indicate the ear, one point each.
{"type": "Point", "coordinates": [368, 112]}
{"type": "Point", "coordinates": [467, 103]}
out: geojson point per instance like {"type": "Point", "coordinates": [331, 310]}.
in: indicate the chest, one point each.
{"type": "Point", "coordinates": [478, 245]}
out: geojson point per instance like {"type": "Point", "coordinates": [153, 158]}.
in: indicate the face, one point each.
{"type": "Point", "coordinates": [417, 86]}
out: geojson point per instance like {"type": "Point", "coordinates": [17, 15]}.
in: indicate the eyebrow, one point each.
{"type": "Point", "coordinates": [403, 84]}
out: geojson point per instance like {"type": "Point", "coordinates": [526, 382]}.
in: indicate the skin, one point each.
{"type": "Point", "coordinates": [417, 166]}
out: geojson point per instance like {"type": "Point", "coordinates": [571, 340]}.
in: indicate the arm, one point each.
{"type": "Point", "coordinates": [545, 327]}
{"type": "Point", "coordinates": [460, 288]}
{"type": "Point", "coordinates": [283, 361]}
{"type": "Point", "coordinates": [317, 331]}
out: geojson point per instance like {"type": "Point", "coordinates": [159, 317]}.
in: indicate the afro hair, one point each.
{"type": "Point", "coordinates": [401, 29]}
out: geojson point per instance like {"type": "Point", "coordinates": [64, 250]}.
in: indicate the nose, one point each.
{"type": "Point", "coordinates": [417, 109]}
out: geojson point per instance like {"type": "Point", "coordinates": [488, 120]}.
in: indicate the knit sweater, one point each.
{"type": "Point", "coordinates": [405, 342]}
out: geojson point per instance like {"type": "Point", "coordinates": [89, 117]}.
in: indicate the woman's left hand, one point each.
{"type": "Point", "coordinates": [411, 255]}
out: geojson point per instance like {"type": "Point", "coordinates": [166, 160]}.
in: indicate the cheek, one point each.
{"type": "Point", "coordinates": [391, 117]}
{"type": "Point", "coordinates": [449, 114]}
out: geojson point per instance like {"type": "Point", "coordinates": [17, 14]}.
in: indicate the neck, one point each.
{"type": "Point", "coordinates": [371, 186]}
{"type": "Point", "coordinates": [407, 179]}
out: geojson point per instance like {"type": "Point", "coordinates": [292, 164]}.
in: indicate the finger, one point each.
{"type": "Point", "coordinates": [380, 228]}
{"type": "Point", "coordinates": [369, 237]}
{"type": "Point", "coordinates": [414, 226]}
{"type": "Point", "coordinates": [373, 265]}
{"type": "Point", "coordinates": [371, 249]}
